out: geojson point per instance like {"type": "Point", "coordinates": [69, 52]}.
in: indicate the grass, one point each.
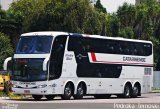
{"type": "Point", "coordinates": [3, 94]}
{"type": "Point", "coordinates": [10, 95]}
{"type": "Point", "coordinates": [155, 90]}
{"type": "Point", "coordinates": [13, 96]}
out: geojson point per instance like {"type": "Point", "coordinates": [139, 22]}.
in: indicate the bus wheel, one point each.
{"type": "Point", "coordinates": [68, 92]}
{"type": "Point", "coordinates": [49, 97]}
{"type": "Point", "coordinates": [80, 91]}
{"type": "Point", "coordinates": [107, 95]}
{"type": "Point", "coordinates": [127, 91]}
{"type": "Point", "coordinates": [103, 96]}
{"type": "Point", "coordinates": [136, 91]}
{"type": "Point", "coordinates": [37, 97]}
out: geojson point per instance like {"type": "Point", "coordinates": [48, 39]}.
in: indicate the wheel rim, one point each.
{"type": "Point", "coordinates": [136, 90]}
{"type": "Point", "coordinates": [68, 90]}
{"type": "Point", "coordinates": [80, 91]}
{"type": "Point", "coordinates": [127, 91]}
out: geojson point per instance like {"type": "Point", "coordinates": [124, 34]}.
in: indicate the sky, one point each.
{"type": "Point", "coordinates": [5, 3]}
{"type": "Point", "coordinates": [112, 5]}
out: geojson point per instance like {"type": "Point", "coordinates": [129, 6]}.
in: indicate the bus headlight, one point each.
{"type": "Point", "coordinates": [42, 86]}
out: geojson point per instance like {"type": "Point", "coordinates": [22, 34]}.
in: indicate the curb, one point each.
{"type": "Point", "coordinates": [4, 98]}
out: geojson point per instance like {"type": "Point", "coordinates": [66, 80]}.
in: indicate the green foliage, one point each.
{"type": "Point", "coordinates": [100, 7]}
{"type": "Point", "coordinates": [113, 26]}
{"type": "Point", "coordinates": [6, 49]}
{"type": "Point", "coordinates": [59, 15]}
{"type": "Point", "coordinates": [28, 11]}
{"type": "Point", "coordinates": [127, 33]}
{"type": "Point", "coordinates": [11, 24]}
{"type": "Point", "coordinates": [142, 21]}
{"type": "Point", "coordinates": [3, 94]}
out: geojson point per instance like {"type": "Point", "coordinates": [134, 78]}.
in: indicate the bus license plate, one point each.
{"type": "Point", "coordinates": [27, 91]}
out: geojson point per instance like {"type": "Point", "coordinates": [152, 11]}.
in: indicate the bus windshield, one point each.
{"type": "Point", "coordinates": [28, 70]}
{"type": "Point", "coordinates": [34, 45]}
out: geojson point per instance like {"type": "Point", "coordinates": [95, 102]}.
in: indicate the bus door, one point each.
{"type": "Point", "coordinates": [57, 55]}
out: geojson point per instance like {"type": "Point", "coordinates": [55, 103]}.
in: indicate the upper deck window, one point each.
{"type": "Point", "coordinates": [110, 46]}
{"type": "Point", "coordinates": [34, 45]}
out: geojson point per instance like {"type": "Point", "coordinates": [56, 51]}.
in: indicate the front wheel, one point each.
{"type": "Point", "coordinates": [68, 92]}
{"type": "Point", "coordinates": [37, 97]}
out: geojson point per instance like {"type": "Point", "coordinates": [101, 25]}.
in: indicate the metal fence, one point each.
{"type": "Point", "coordinates": [156, 80]}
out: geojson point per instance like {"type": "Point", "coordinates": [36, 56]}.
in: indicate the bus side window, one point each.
{"type": "Point", "coordinates": [147, 49]}
{"type": "Point", "coordinates": [86, 44]}
{"type": "Point", "coordinates": [76, 44]}
{"type": "Point", "coordinates": [110, 47]}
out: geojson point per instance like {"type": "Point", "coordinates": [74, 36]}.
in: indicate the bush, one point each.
{"type": "Point", "coordinates": [6, 49]}
{"type": "Point", "coordinates": [2, 94]}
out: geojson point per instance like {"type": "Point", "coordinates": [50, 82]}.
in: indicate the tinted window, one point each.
{"type": "Point", "coordinates": [34, 45]}
{"type": "Point", "coordinates": [80, 44]}
{"type": "Point", "coordinates": [56, 59]}
{"type": "Point", "coordinates": [28, 70]}
{"type": "Point", "coordinates": [99, 70]}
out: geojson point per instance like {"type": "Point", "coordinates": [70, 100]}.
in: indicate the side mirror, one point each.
{"type": "Point", "coordinates": [5, 65]}
{"type": "Point", "coordinates": [45, 64]}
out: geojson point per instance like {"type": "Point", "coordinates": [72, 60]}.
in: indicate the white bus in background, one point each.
{"type": "Point", "coordinates": [63, 64]}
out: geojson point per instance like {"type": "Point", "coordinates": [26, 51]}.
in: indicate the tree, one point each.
{"type": "Point", "coordinates": [141, 21]}
{"type": "Point", "coordinates": [127, 15]}
{"type": "Point", "coordinates": [100, 7]}
{"type": "Point", "coordinates": [11, 24]}
{"type": "Point", "coordinates": [126, 33]}
{"type": "Point", "coordinates": [113, 25]}
{"type": "Point", "coordinates": [27, 10]}
{"type": "Point", "coordinates": [6, 49]}
{"type": "Point", "coordinates": [59, 15]}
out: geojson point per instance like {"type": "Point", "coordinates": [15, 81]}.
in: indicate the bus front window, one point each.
{"type": "Point", "coordinates": [29, 70]}
{"type": "Point", "coordinates": [34, 45]}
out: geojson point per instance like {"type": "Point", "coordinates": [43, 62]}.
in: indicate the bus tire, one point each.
{"type": "Point", "coordinates": [102, 96]}
{"type": "Point", "coordinates": [37, 97]}
{"type": "Point", "coordinates": [120, 95]}
{"type": "Point", "coordinates": [68, 91]}
{"type": "Point", "coordinates": [50, 97]}
{"type": "Point", "coordinates": [80, 91]}
{"type": "Point", "coordinates": [136, 91]}
{"type": "Point", "coordinates": [127, 91]}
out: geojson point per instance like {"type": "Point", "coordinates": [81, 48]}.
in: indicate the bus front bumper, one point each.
{"type": "Point", "coordinates": [30, 91]}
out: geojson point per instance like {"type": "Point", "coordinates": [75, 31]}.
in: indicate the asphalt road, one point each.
{"type": "Point", "coordinates": [147, 101]}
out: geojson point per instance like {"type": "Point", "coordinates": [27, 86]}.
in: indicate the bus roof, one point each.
{"type": "Point", "coordinates": [45, 33]}
{"type": "Point", "coordinates": [118, 38]}
{"type": "Point", "coordinates": [55, 33]}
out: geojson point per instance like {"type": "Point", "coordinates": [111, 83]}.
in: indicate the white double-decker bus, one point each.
{"type": "Point", "coordinates": [64, 64]}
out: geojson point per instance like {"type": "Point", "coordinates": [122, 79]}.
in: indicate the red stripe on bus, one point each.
{"type": "Point", "coordinates": [109, 62]}
{"type": "Point", "coordinates": [93, 57]}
